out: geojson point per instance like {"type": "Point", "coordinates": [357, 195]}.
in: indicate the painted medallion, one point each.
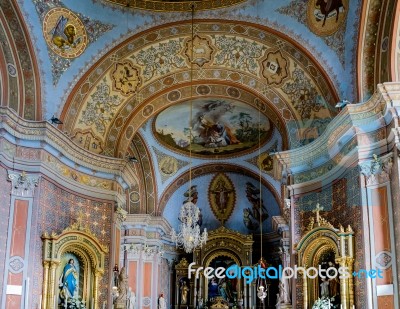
{"type": "Point", "coordinates": [65, 33]}
{"type": "Point", "coordinates": [326, 16]}
{"type": "Point", "coordinates": [220, 127]}
{"type": "Point", "coordinates": [222, 197]}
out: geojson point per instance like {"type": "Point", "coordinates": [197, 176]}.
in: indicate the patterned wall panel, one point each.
{"type": "Point", "coordinates": [342, 202]}
{"type": "Point", "coordinates": [57, 208]}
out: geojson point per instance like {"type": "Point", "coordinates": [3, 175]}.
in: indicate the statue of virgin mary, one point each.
{"type": "Point", "coordinates": [68, 280]}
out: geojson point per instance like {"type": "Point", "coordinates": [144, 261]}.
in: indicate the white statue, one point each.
{"type": "Point", "coordinates": [324, 288]}
{"type": "Point", "coordinates": [132, 298]}
{"type": "Point", "coordinates": [284, 291]}
{"type": "Point", "coordinates": [162, 303]}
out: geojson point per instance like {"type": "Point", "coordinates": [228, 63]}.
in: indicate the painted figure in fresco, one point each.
{"type": "Point", "coordinates": [328, 6]}
{"type": "Point", "coordinates": [184, 293]}
{"type": "Point", "coordinates": [68, 280]}
{"type": "Point", "coordinates": [221, 193]}
{"type": "Point", "coordinates": [258, 212]}
{"type": "Point", "coordinates": [64, 34]}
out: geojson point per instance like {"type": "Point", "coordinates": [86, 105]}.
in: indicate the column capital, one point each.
{"type": "Point", "coordinates": [378, 169]}
{"type": "Point", "coordinates": [23, 184]}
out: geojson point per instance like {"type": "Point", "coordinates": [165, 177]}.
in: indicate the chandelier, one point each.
{"type": "Point", "coordinates": [189, 236]}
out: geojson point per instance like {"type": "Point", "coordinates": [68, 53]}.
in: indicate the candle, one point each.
{"type": "Point", "coordinates": [66, 301]}
{"type": "Point", "coordinates": [40, 302]}
{"type": "Point", "coordinates": [104, 305]}
{"type": "Point", "coordinates": [55, 301]}
{"type": "Point", "coordinates": [92, 303]}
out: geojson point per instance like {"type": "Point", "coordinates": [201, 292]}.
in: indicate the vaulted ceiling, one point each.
{"type": "Point", "coordinates": [122, 77]}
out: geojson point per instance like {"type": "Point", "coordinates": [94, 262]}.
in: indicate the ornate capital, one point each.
{"type": "Point", "coordinates": [22, 183]}
{"type": "Point", "coordinates": [120, 215]}
{"type": "Point", "coordinates": [377, 170]}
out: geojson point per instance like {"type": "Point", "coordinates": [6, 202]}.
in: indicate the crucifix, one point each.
{"type": "Point", "coordinates": [316, 211]}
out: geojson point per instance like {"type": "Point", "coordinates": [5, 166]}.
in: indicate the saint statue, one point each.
{"type": "Point", "coordinates": [324, 288]}
{"type": "Point", "coordinates": [162, 303]}
{"type": "Point", "coordinates": [68, 280]}
{"type": "Point", "coordinates": [122, 287]}
{"type": "Point", "coordinates": [131, 298]}
{"type": "Point", "coordinates": [184, 293]}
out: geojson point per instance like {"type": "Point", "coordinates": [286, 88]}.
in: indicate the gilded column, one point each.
{"type": "Point", "coordinates": [51, 295]}
{"type": "Point", "coordinates": [349, 263]}
{"type": "Point", "coordinates": [97, 276]}
{"type": "Point", "coordinates": [45, 284]}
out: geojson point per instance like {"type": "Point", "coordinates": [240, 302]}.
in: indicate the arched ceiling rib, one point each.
{"type": "Point", "coordinates": [20, 75]}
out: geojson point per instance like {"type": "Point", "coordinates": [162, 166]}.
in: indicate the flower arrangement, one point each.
{"type": "Point", "coordinates": [74, 303]}
{"type": "Point", "coordinates": [322, 303]}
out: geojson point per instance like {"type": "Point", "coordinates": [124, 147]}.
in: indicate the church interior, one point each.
{"type": "Point", "coordinates": [180, 154]}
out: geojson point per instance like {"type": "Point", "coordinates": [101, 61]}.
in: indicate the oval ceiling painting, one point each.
{"type": "Point", "coordinates": [221, 127]}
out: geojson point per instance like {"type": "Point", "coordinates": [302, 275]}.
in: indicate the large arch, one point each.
{"type": "Point", "coordinates": [157, 60]}
{"type": "Point", "coordinates": [20, 77]}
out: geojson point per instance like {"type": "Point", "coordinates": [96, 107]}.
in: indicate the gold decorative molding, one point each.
{"type": "Point", "coordinates": [79, 240]}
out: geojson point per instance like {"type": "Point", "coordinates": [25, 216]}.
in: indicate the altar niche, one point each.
{"type": "Point", "coordinates": [329, 247]}
{"type": "Point", "coordinates": [73, 264]}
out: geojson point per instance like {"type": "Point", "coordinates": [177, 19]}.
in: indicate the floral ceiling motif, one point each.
{"type": "Point", "coordinates": [229, 54]}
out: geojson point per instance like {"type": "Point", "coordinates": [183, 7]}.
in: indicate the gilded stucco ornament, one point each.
{"type": "Point", "coordinates": [77, 243]}
{"type": "Point", "coordinates": [22, 183]}
{"type": "Point", "coordinates": [323, 243]}
{"type": "Point", "coordinates": [377, 170]}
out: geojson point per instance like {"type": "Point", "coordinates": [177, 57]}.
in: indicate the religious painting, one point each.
{"type": "Point", "coordinates": [220, 127]}
{"type": "Point", "coordinates": [256, 214]}
{"type": "Point", "coordinates": [125, 77]}
{"type": "Point", "coordinates": [265, 162]}
{"type": "Point", "coordinates": [168, 166]}
{"type": "Point", "coordinates": [222, 197]}
{"type": "Point", "coordinates": [64, 33]}
{"type": "Point", "coordinates": [325, 17]}
{"type": "Point", "coordinates": [224, 288]}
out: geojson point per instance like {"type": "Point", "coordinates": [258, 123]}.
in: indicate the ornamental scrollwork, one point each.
{"type": "Point", "coordinates": [377, 170]}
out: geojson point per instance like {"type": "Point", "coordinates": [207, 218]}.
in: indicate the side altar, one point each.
{"type": "Point", "coordinates": [74, 264]}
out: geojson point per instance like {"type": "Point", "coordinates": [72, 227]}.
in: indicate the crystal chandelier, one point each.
{"type": "Point", "coordinates": [189, 236]}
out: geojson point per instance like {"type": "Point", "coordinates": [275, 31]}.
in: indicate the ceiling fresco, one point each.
{"type": "Point", "coordinates": [112, 24]}
{"type": "Point", "coordinates": [240, 198]}
{"type": "Point", "coordinates": [219, 128]}
{"type": "Point", "coordinates": [129, 85]}
{"type": "Point", "coordinates": [175, 6]}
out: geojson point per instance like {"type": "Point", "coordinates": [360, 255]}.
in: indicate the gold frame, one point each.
{"type": "Point", "coordinates": [320, 238]}
{"type": "Point", "coordinates": [79, 240]}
